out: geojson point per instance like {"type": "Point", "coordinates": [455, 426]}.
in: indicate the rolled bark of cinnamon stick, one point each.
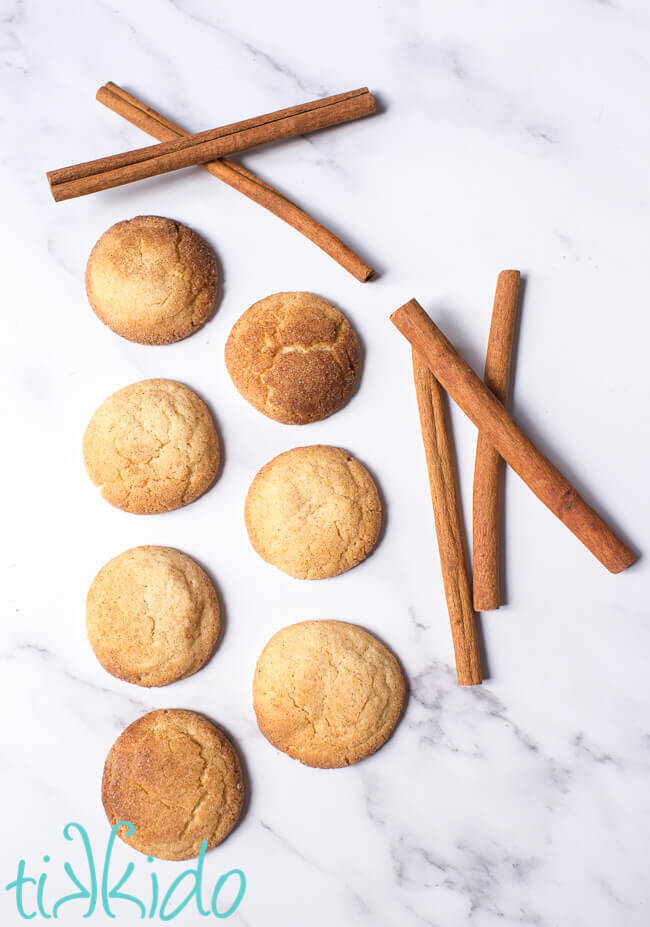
{"type": "Point", "coordinates": [239, 178]}
{"type": "Point", "coordinates": [446, 513]}
{"type": "Point", "coordinates": [114, 171]}
{"type": "Point", "coordinates": [490, 417]}
{"type": "Point", "coordinates": [488, 469]}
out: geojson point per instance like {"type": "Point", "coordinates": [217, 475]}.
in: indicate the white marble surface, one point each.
{"type": "Point", "coordinates": [513, 135]}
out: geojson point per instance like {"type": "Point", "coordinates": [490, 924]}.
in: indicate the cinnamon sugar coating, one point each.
{"type": "Point", "coordinates": [177, 779]}
{"type": "Point", "coordinates": [294, 356]}
{"type": "Point", "coordinates": [327, 693]}
{"type": "Point", "coordinates": [152, 280]}
{"type": "Point", "coordinates": [152, 616]}
{"type": "Point", "coordinates": [313, 512]}
{"type": "Point", "coordinates": [152, 447]}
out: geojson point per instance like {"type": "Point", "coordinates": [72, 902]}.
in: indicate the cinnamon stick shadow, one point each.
{"type": "Point", "coordinates": [543, 477]}
{"type": "Point", "coordinates": [478, 616]}
{"type": "Point", "coordinates": [529, 424]}
{"type": "Point", "coordinates": [547, 447]}
{"type": "Point", "coordinates": [321, 217]}
{"type": "Point", "coordinates": [237, 176]}
{"type": "Point", "coordinates": [503, 538]}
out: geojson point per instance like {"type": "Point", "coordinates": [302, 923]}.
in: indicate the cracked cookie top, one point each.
{"type": "Point", "coordinates": [327, 693]}
{"type": "Point", "coordinates": [294, 356]}
{"type": "Point", "coordinates": [313, 512]}
{"type": "Point", "coordinates": [152, 616]}
{"type": "Point", "coordinates": [152, 447]}
{"type": "Point", "coordinates": [152, 280]}
{"type": "Point", "coordinates": [177, 779]}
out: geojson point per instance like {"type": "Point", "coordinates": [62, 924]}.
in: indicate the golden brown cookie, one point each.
{"type": "Point", "coordinates": [152, 447]}
{"type": "Point", "coordinates": [177, 779]}
{"type": "Point", "coordinates": [152, 616]}
{"type": "Point", "coordinates": [313, 512]}
{"type": "Point", "coordinates": [152, 280]}
{"type": "Point", "coordinates": [294, 356]}
{"type": "Point", "coordinates": [327, 693]}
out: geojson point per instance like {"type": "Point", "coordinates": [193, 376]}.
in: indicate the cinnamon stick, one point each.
{"type": "Point", "coordinates": [446, 513]}
{"type": "Point", "coordinates": [238, 177]}
{"type": "Point", "coordinates": [490, 417]}
{"type": "Point", "coordinates": [114, 171]}
{"type": "Point", "coordinates": [488, 466]}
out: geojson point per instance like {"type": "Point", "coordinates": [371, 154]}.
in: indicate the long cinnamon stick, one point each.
{"type": "Point", "coordinates": [490, 417]}
{"type": "Point", "coordinates": [114, 171]}
{"type": "Point", "coordinates": [488, 466]}
{"type": "Point", "coordinates": [446, 513]}
{"type": "Point", "coordinates": [238, 177]}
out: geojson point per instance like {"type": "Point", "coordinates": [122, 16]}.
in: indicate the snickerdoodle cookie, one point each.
{"type": "Point", "coordinates": [152, 616]}
{"type": "Point", "coordinates": [327, 693]}
{"type": "Point", "coordinates": [152, 447]}
{"type": "Point", "coordinates": [177, 779]}
{"type": "Point", "coordinates": [313, 512]}
{"type": "Point", "coordinates": [294, 356]}
{"type": "Point", "coordinates": [152, 280]}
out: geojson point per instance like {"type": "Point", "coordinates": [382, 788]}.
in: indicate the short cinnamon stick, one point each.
{"type": "Point", "coordinates": [114, 171]}
{"type": "Point", "coordinates": [488, 467]}
{"type": "Point", "coordinates": [490, 417]}
{"type": "Point", "coordinates": [446, 513]}
{"type": "Point", "coordinates": [238, 177]}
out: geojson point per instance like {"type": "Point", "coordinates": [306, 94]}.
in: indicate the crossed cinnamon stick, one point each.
{"type": "Point", "coordinates": [180, 149]}
{"type": "Point", "coordinates": [484, 409]}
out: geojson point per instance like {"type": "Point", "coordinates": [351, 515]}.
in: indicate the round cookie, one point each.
{"type": "Point", "coordinates": [313, 512]}
{"type": "Point", "coordinates": [152, 447]}
{"type": "Point", "coordinates": [294, 356]}
{"type": "Point", "coordinates": [152, 280]}
{"type": "Point", "coordinates": [177, 779]}
{"type": "Point", "coordinates": [327, 693]}
{"type": "Point", "coordinates": [152, 616]}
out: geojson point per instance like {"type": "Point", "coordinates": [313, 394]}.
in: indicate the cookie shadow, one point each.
{"type": "Point", "coordinates": [362, 359]}
{"type": "Point", "coordinates": [362, 363]}
{"type": "Point", "coordinates": [246, 778]}
{"type": "Point", "coordinates": [382, 500]}
{"type": "Point", "coordinates": [223, 611]}
{"type": "Point", "coordinates": [222, 446]}
{"type": "Point", "coordinates": [221, 278]}
{"type": "Point", "coordinates": [407, 691]}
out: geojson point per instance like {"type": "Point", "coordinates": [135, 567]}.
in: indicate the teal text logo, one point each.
{"type": "Point", "coordinates": [100, 889]}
